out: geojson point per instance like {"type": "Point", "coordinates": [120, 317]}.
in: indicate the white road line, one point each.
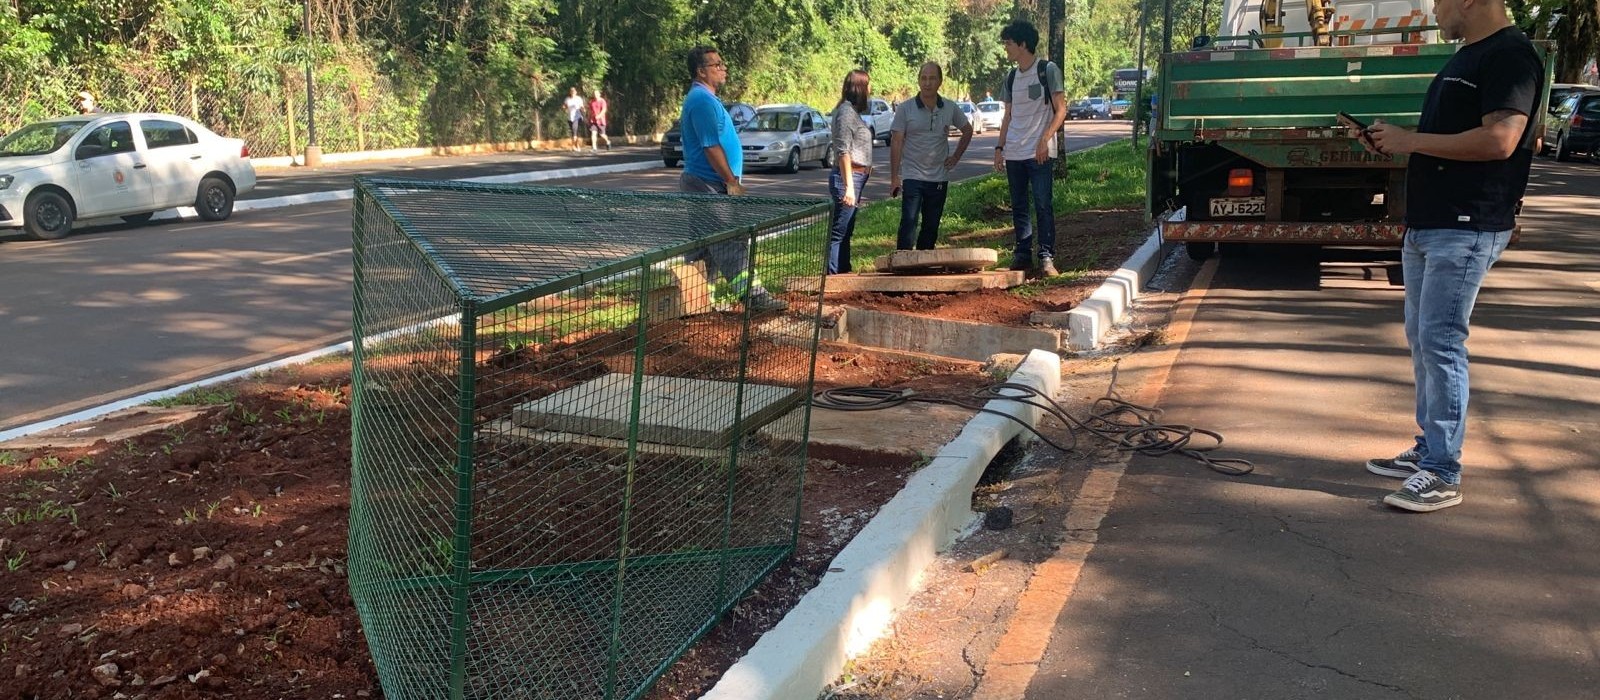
{"type": "Point", "coordinates": [308, 256]}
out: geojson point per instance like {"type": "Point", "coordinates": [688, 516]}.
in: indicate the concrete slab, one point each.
{"type": "Point", "coordinates": [512, 431]}
{"type": "Point", "coordinates": [964, 339]}
{"type": "Point", "coordinates": [942, 260]}
{"type": "Point", "coordinates": [672, 410]}
{"type": "Point", "coordinates": [885, 282]}
{"type": "Point", "coordinates": [112, 427]}
{"type": "Point", "coordinates": [911, 432]}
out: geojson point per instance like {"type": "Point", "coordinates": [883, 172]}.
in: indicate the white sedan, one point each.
{"type": "Point", "coordinates": [55, 172]}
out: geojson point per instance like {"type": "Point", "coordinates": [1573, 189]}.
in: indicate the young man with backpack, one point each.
{"type": "Point", "coordinates": [1036, 105]}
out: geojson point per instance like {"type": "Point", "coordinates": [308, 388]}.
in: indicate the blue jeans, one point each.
{"type": "Point", "coordinates": [1025, 175]}
{"type": "Point", "coordinates": [1443, 269]}
{"type": "Point", "coordinates": [924, 198]}
{"type": "Point", "coordinates": [843, 225]}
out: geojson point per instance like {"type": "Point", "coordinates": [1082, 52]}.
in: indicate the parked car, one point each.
{"type": "Point", "coordinates": [58, 171]}
{"type": "Point", "coordinates": [971, 111]}
{"type": "Point", "coordinates": [990, 112]}
{"type": "Point", "coordinates": [672, 140]}
{"type": "Point", "coordinates": [1089, 108]}
{"type": "Point", "coordinates": [879, 117]}
{"type": "Point", "coordinates": [784, 136]}
{"type": "Point", "coordinates": [1558, 94]}
{"type": "Point", "coordinates": [1574, 125]}
{"type": "Point", "coordinates": [1118, 109]}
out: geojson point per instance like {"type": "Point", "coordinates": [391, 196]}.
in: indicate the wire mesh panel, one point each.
{"type": "Point", "coordinates": [579, 428]}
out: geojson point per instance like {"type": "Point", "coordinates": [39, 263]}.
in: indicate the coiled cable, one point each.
{"type": "Point", "coordinates": [1128, 426]}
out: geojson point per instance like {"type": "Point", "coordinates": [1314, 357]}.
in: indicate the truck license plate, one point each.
{"type": "Point", "coordinates": [1239, 206]}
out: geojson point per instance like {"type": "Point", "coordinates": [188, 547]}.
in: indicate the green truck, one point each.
{"type": "Point", "coordinates": [1246, 146]}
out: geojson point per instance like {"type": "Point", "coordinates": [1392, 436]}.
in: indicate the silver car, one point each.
{"type": "Point", "coordinates": [784, 136]}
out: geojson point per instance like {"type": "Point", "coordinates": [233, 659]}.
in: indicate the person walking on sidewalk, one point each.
{"type": "Point", "coordinates": [713, 163]}
{"type": "Point", "coordinates": [1036, 105]}
{"type": "Point", "coordinates": [575, 107]}
{"type": "Point", "coordinates": [1469, 164]}
{"type": "Point", "coordinates": [598, 117]}
{"type": "Point", "coordinates": [919, 147]}
{"type": "Point", "coordinates": [852, 149]}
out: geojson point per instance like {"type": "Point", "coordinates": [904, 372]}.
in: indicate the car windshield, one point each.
{"type": "Point", "coordinates": [989, 107]}
{"type": "Point", "coordinates": [39, 139]}
{"type": "Point", "coordinates": [1097, 101]}
{"type": "Point", "coordinates": [774, 121]}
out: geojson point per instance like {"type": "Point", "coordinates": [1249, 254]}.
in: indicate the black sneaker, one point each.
{"type": "Point", "coordinates": [1047, 267]}
{"type": "Point", "coordinates": [1402, 466]}
{"type": "Point", "coordinates": [1424, 492]}
{"type": "Point", "coordinates": [1021, 264]}
{"type": "Point", "coordinates": [761, 301]}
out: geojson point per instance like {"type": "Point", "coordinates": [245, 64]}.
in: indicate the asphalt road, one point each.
{"type": "Point", "coordinates": [116, 311]}
{"type": "Point", "coordinates": [1295, 582]}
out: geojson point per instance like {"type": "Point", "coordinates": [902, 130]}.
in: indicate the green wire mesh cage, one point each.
{"type": "Point", "coordinates": [579, 428]}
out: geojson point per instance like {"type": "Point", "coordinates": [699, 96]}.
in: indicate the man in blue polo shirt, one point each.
{"type": "Point", "coordinates": [713, 162]}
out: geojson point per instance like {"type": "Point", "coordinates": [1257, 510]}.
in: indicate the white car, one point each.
{"type": "Point", "coordinates": [55, 172]}
{"type": "Point", "coordinates": [990, 112]}
{"type": "Point", "coordinates": [879, 117]}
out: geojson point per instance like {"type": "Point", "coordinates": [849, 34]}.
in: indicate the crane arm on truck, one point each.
{"type": "Point", "coordinates": [1319, 14]}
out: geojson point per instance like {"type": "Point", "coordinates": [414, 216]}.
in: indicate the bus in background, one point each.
{"type": "Point", "coordinates": [1124, 85]}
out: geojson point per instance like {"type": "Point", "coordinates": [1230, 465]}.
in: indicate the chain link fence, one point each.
{"type": "Point", "coordinates": [358, 108]}
{"type": "Point", "coordinates": [570, 457]}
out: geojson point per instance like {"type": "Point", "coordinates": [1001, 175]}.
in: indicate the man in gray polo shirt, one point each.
{"type": "Point", "coordinates": [919, 148]}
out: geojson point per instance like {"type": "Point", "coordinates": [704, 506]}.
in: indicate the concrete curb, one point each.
{"type": "Point", "coordinates": [1088, 322]}
{"type": "Point", "coordinates": [294, 200]}
{"type": "Point", "coordinates": [881, 566]}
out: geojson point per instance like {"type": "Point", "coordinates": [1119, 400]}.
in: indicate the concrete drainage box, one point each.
{"type": "Point", "coordinates": [558, 480]}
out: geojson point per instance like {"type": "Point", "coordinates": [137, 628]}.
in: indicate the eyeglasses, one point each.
{"type": "Point", "coordinates": [718, 64]}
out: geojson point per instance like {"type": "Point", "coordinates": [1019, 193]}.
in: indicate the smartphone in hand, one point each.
{"type": "Point", "coordinates": [1364, 130]}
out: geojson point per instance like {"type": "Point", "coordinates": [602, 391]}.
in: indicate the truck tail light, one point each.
{"type": "Point", "coordinates": [244, 151]}
{"type": "Point", "coordinates": [1240, 182]}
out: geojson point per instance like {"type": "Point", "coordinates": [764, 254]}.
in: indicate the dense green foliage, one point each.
{"type": "Point", "coordinates": [395, 73]}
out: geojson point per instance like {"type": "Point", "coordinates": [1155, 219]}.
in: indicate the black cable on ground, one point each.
{"type": "Point", "coordinates": [1129, 426]}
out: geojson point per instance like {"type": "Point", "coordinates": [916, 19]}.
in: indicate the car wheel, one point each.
{"type": "Point", "coordinates": [47, 215]}
{"type": "Point", "coordinates": [793, 164]}
{"type": "Point", "coordinates": [214, 202]}
{"type": "Point", "coordinates": [138, 219]}
{"type": "Point", "coordinates": [1562, 153]}
{"type": "Point", "coordinates": [1199, 251]}
{"type": "Point", "coordinates": [827, 157]}
{"type": "Point", "coordinates": [670, 162]}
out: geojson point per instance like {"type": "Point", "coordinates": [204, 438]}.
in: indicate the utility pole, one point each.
{"type": "Point", "coordinates": [1166, 27]}
{"type": "Point", "coordinates": [313, 156]}
{"type": "Point", "coordinates": [1058, 53]}
{"type": "Point", "coordinates": [1138, 90]}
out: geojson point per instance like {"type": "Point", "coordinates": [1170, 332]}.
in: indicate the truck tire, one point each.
{"type": "Point", "coordinates": [1199, 252]}
{"type": "Point", "coordinates": [670, 162]}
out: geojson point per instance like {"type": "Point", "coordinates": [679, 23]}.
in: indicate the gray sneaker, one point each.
{"type": "Point", "coordinates": [1424, 492]}
{"type": "Point", "coordinates": [1402, 466]}
{"type": "Point", "coordinates": [1047, 267]}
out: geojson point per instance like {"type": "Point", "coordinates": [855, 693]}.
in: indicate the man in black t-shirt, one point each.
{"type": "Point", "coordinates": [1468, 170]}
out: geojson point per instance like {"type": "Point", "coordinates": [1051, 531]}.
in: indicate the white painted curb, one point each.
{"type": "Point", "coordinates": [1088, 322]}
{"type": "Point", "coordinates": [882, 565]}
{"type": "Point", "coordinates": [295, 200]}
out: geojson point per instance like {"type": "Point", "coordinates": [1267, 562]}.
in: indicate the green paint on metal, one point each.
{"type": "Point", "coordinates": [488, 556]}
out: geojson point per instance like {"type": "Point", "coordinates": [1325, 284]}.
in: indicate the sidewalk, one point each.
{"type": "Point", "coordinates": [1296, 581]}
{"type": "Point", "coordinates": [280, 182]}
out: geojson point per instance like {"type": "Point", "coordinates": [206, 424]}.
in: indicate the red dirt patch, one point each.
{"type": "Point", "coordinates": [207, 560]}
